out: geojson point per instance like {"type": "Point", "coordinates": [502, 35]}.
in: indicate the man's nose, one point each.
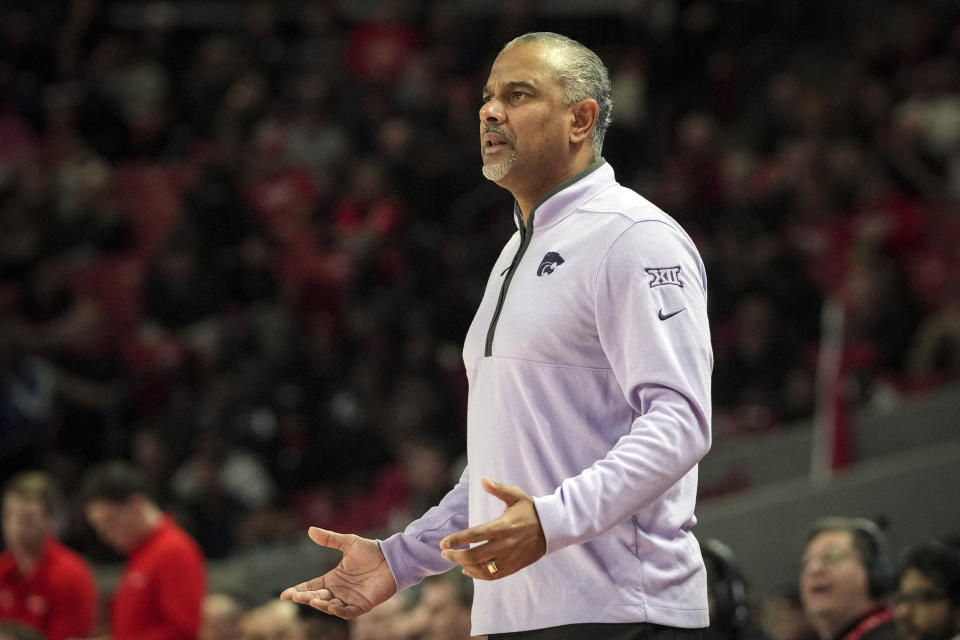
{"type": "Point", "coordinates": [491, 112]}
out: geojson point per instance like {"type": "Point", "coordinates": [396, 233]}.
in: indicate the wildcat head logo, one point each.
{"type": "Point", "coordinates": [550, 262]}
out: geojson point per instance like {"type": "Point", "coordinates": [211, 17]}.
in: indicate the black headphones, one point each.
{"type": "Point", "coordinates": [726, 584]}
{"type": "Point", "coordinates": [871, 544]}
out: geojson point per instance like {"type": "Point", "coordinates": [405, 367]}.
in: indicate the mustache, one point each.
{"type": "Point", "coordinates": [492, 128]}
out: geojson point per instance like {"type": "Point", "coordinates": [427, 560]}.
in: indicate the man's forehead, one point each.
{"type": "Point", "coordinates": [19, 506]}
{"type": "Point", "coordinates": [832, 537]}
{"type": "Point", "coordinates": [524, 64]}
{"type": "Point", "coordinates": [511, 84]}
{"type": "Point", "coordinates": [12, 498]}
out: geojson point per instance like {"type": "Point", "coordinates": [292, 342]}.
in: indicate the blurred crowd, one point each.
{"type": "Point", "coordinates": [242, 250]}
{"type": "Point", "coordinates": [846, 586]}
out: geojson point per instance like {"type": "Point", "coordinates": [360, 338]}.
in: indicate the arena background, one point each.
{"type": "Point", "coordinates": [240, 244]}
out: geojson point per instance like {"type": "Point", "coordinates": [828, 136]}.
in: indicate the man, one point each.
{"type": "Point", "coordinates": [927, 604]}
{"type": "Point", "coordinates": [727, 595]}
{"type": "Point", "coordinates": [782, 615]}
{"type": "Point", "coordinates": [274, 620]}
{"type": "Point", "coordinates": [220, 617]}
{"type": "Point", "coordinates": [844, 578]}
{"type": "Point", "coordinates": [388, 621]}
{"type": "Point", "coordinates": [589, 367]}
{"type": "Point", "coordinates": [42, 582]}
{"type": "Point", "coordinates": [161, 590]}
{"type": "Point", "coordinates": [445, 607]}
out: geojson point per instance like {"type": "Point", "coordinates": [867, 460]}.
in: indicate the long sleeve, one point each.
{"type": "Point", "coordinates": [415, 553]}
{"type": "Point", "coordinates": [651, 317]}
{"type": "Point", "coordinates": [589, 371]}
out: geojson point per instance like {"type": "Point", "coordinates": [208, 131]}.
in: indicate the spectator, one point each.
{"type": "Point", "coordinates": [27, 390]}
{"type": "Point", "coordinates": [730, 614]}
{"type": "Point", "coordinates": [42, 582]}
{"type": "Point", "coordinates": [272, 621]}
{"type": "Point", "coordinates": [181, 288]}
{"type": "Point", "coordinates": [150, 453]}
{"type": "Point", "coordinates": [927, 603]}
{"type": "Point", "coordinates": [935, 350]}
{"type": "Point", "coordinates": [161, 589]}
{"type": "Point", "coordinates": [753, 371]}
{"type": "Point", "coordinates": [318, 626]}
{"type": "Point", "coordinates": [445, 602]}
{"type": "Point", "coordinates": [844, 578]}
{"type": "Point", "coordinates": [237, 472]}
{"type": "Point", "coordinates": [221, 617]}
{"type": "Point", "coordinates": [382, 623]}
{"type": "Point", "coordinates": [217, 488]}
{"type": "Point", "coordinates": [782, 615]}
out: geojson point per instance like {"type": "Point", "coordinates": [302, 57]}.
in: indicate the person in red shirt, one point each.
{"type": "Point", "coordinates": [42, 583]}
{"type": "Point", "coordinates": [160, 592]}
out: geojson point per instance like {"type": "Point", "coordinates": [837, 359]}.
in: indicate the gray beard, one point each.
{"type": "Point", "coordinates": [495, 172]}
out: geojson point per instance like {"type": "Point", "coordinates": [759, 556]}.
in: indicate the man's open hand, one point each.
{"type": "Point", "coordinates": [512, 541]}
{"type": "Point", "coordinates": [360, 582]}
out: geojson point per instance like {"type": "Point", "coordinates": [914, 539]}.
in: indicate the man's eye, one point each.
{"type": "Point", "coordinates": [486, 99]}
{"type": "Point", "coordinates": [518, 95]}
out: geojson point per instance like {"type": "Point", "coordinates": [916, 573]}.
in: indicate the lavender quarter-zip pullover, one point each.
{"type": "Point", "coordinates": [589, 366]}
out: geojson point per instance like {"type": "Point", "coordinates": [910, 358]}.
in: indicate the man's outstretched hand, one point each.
{"type": "Point", "coordinates": [360, 582]}
{"type": "Point", "coordinates": [511, 541]}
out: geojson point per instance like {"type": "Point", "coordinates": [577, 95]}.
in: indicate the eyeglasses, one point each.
{"type": "Point", "coordinates": [927, 596]}
{"type": "Point", "coordinates": [828, 558]}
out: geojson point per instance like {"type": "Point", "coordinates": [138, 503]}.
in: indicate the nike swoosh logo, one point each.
{"type": "Point", "coordinates": [669, 315]}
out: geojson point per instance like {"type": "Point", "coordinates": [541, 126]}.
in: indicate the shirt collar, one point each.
{"type": "Point", "coordinates": [8, 562]}
{"type": "Point", "coordinates": [560, 201]}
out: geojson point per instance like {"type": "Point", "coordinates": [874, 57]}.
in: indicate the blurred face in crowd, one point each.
{"type": "Point", "coordinates": [923, 611]}
{"type": "Point", "coordinates": [524, 125]}
{"type": "Point", "coordinates": [221, 615]}
{"type": "Point", "coordinates": [380, 623]}
{"type": "Point", "coordinates": [273, 621]}
{"type": "Point", "coordinates": [120, 524]}
{"type": "Point", "coordinates": [834, 585]}
{"type": "Point", "coordinates": [783, 619]}
{"type": "Point", "coordinates": [26, 524]}
{"type": "Point", "coordinates": [447, 618]}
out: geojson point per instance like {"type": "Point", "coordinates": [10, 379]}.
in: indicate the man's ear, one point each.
{"type": "Point", "coordinates": [585, 114]}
